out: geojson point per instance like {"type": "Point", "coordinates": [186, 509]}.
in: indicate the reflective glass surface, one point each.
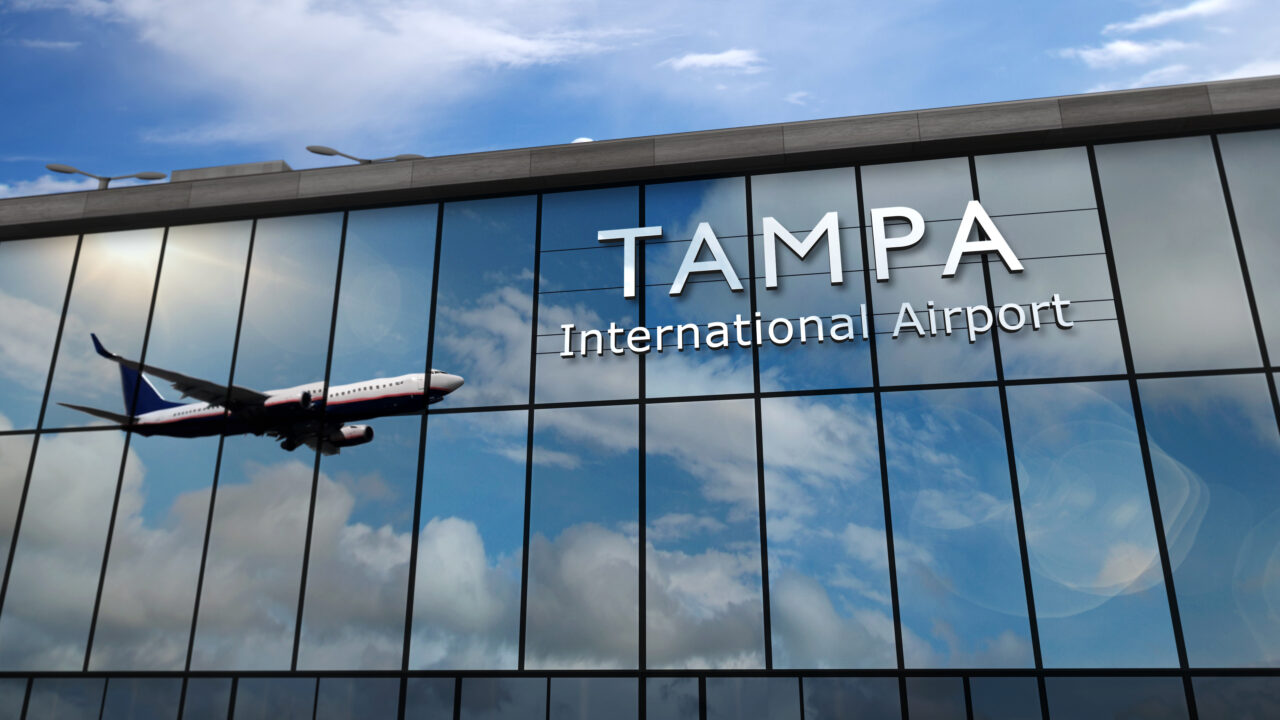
{"type": "Point", "coordinates": [33, 284]}
{"type": "Point", "coordinates": [503, 698]}
{"type": "Point", "coordinates": [142, 699]}
{"type": "Point", "coordinates": [703, 603]}
{"type": "Point", "coordinates": [275, 698]}
{"type": "Point", "coordinates": [65, 698]}
{"type": "Point", "coordinates": [207, 699]}
{"type": "Point", "coordinates": [429, 698]}
{"type": "Point", "coordinates": [828, 559]}
{"type": "Point", "coordinates": [1004, 698]}
{"type": "Point", "coordinates": [1237, 698]}
{"type": "Point", "coordinates": [1250, 160]}
{"type": "Point", "coordinates": [15, 456]}
{"type": "Point", "coordinates": [13, 692]}
{"type": "Point", "coordinates": [1095, 565]}
{"type": "Point", "coordinates": [1086, 698]}
{"type": "Point", "coordinates": [1214, 449]}
{"type": "Point", "coordinates": [357, 698]}
{"type": "Point", "coordinates": [675, 698]}
{"type": "Point", "coordinates": [935, 698]}
{"type": "Point", "coordinates": [730, 698]}
{"type": "Point", "coordinates": [593, 698]}
{"type": "Point", "coordinates": [865, 698]}
{"type": "Point", "coordinates": [1179, 272]}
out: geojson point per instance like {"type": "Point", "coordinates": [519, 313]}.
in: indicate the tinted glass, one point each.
{"type": "Point", "coordinates": [749, 698]}
{"type": "Point", "coordinates": [484, 305]}
{"type": "Point", "coordinates": [1178, 268]}
{"type": "Point", "coordinates": [268, 698]}
{"type": "Point", "coordinates": [828, 559]}
{"type": "Point", "coordinates": [584, 567]}
{"type": "Point", "coordinates": [1004, 698]}
{"type": "Point", "coordinates": [15, 457]}
{"type": "Point", "coordinates": [865, 698]}
{"type": "Point", "coordinates": [1095, 566]}
{"type": "Point", "coordinates": [353, 698]}
{"type": "Point", "coordinates": [593, 698]}
{"type": "Point", "coordinates": [935, 698]}
{"type": "Point", "coordinates": [207, 699]}
{"type": "Point", "coordinates": [467, 589]}
{"type": "Point", "coordinates": [13, 692]}
{"type": "Point", "coordinates": [674, 698]}
{"type": "Point", "coordinates": [703, 606]}
{"type": "Point", "coordinates": [33, 285]}
{"type": "Point", "coordinates": [65, 698]}
{"type": "Point", "coordinates": [428, 699]}
{"type": "Point", "coordinates": [142, 699]}
{"type": "Point", "coordinates": [1077, 698]}
{"type": "Point", "coordinates": [503, 698]}
{"type": "Point", "coordinates": [1214, 449]}
{"type": "Point", "coordinates": [1251, 160]}
{"type": "Point", "coordinates": [148, 594]}
{"type": "Point", "coordinates": [1237, 698]}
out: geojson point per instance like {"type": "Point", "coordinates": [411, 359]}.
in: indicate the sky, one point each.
{"type": "Point", "coordinates": [120, 86]}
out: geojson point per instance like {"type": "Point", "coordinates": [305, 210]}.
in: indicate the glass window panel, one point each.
{"type": "Point", "coordinates": [765, 698]}
{"type": "Point", "coordinates": [357, 580]}
{"type": "Point", "coordinates": [864, 698]}
{"type": "Point", "coordinates": [584, 287]}
{"type": "Point", "coordinates": [351, 698]}
{"type": "Point", "coordinates": [33, 285]}
{"type": "Point", "coordinates": [470, 545]}
{"type": "Point", "coordinates": [1035, 181]}
{"type": "Point", "coordinates": [707, 297]}
{"type": "Point", "coordinates": [111, 295]}
{"type": "Point", "coordinates": [703, 606]}
{"type": "Point", "coordinates": [1176, 260]}
{"type": "Point", "coordinates": [15, 457]}
{"type": "Point", "coordinates": [828, 560]}
{"type": "Point", "coordinates": [248, 609]}
{"type": "Point", "coordinates": [1214, 449]}
{"type": "Point", "coordinates": [149, 590]}
{"type": "Point", "coordinates": [593, 698]}
{"type": "Point", "coordinates": [1095, 567]}
{"type": "Point", "coordinates": [54, 579]}
{"type": "Point", "coordinates": [503, 698]}
{"type": "Point", "coordinates": [1237, 698]}
{"type": "Point", "coordinates": [207, 699]}
{"type": "Point", "coordinates": [798, 200]}
{"type": "Point", "coordinates": [960, 588]}
{"type": "Point", "coordinates": [428, 699]}
{"type": "Point", "coordinates": [484, 305]}
{"type": "Point", "coordinates": [1004, 698]}
{"type": "Point", "coordinates": [142, 699]}
{"type": "Point", "coordinates": [938, 189]}
{"type": "Point", "coordinates": [935, 698]}
{"type": "Point", "coordinates": [1251, 160]}
{"type": "Point", "coordinates": [13, 692]}
{"type": "Point", "coordinates": [275, 698]}
{"type": "Point", "coordinates": [671, 698]}
{"type": "Point", "coordinates": [583, 602]}
{"type": "Point", "coordinates": [65, 698]}
{"type": "Point", "coordinates": [1085, 698]}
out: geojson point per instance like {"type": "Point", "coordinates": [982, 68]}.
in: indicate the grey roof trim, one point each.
{"type": "Point", "coordinates": [1222, 105]}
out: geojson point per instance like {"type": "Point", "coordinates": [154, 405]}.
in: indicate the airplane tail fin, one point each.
{"type": "Point", "coordinates": [140, 396]}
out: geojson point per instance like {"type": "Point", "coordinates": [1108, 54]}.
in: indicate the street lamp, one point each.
{"type": "Point", "coordinates": [103, 181]}
{"type": "Point", "coordinates": [325, 150]}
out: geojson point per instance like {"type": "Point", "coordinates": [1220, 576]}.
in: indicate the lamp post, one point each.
{"type": "Point", "coordinates": [103, 182]}
{"type": "Point", "coordinates": [326, 150]}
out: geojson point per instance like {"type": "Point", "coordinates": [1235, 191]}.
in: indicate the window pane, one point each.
{"type": "Point", "coordinates": [65, 698]}
{"type": "Point", "coordinates": [1237, 698]}
{"type": "Point", "coordinates": [503, 698]}
{"type": "Point", "coordinates": [581, 284]}
{"type": "Point", "coordinates": [484, 305]}
{"type": "Point", "coordinates": [1036, 181]}
{"type": "Point", "coordinates": [142, 699]}
{"type": "Point", "coordinates": [248, 610]}
{"type": "Point", "coordinates": [935, 698]}
{"type": "Point", "coordinates": [1004, 698]}
{"type": "Point", "coordinates": [149, 591]}
{"type": "Point", "coordinates": [351, 698]}
{"type": "Point", "coordinates": [1095, 567]}
{"type": "Point", "coordinates": [1179, 272]}
{"type": "Point", "coordinates": [33, 285]}
{"type": "Point", "coordinates": [207, 699]}
{"type": "Point", "coordinates": [671, 698]}
{"type": "Point", "coordinates": [428, 699]}
{"type": "Point", "coordinates": [584, 563]}
{"type": "Point", "coordinates": [960, 588]}
{"type": "Point", "coordinates": [707, 297]}
{"type": "Point", "coordinates": [111, 295]}
{"type": "Point", "coordinates": [864, 698]}
{"type": "Point", "coordinates": [703, 606]}
{"type": "Point", "coordinates": [13, 692]}
{"type": "Point", "coordinates": [467, 596]}
{"type": "Point", "coordinates": [267, 698]}
{"type": "Point", "coordinates": [828, 559]}
{"type": "Point", "coordinates": [45, 624]}
{"type": "Point", "coordinates": [1076, 698]}
{"type": "Point", "coordinates": [1214, 448]}
{"type": "Point", "coordinates": [15, 456]}
{"type": "Point", "coordinates": [593, 698]}
{"type": "Point", "coordinates": [1251, 160]}
{"type": "Point", "coordinates": [765, 698]}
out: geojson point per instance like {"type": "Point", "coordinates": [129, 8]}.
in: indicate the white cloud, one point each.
{"type": "Point", "coordinates": [49, 44]}
{"type": "Point", "coordinates": [1124, 52]}
{"type": "Point", "coordinates": [747, 62]}
{"type": "Point", "coordinates": [799, 97]}
{"type": "Point", "coordinates": [46, 184]}
{"type": "Point", "coordinates": [1198, 9]}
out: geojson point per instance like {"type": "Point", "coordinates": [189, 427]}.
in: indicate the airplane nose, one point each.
{"type": "Point", "coordinates": [447, 382]}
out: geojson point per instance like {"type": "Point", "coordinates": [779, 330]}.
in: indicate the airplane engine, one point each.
{"type": "Point", "coordinates": [349, 435]}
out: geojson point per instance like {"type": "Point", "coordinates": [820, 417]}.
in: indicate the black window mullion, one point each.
{"type": "Point", "coordinates": [759, 426]}
{"type": "Point", "coordinates": [528, 458]}
{"type": "Point", "coordinates": [642, 449]}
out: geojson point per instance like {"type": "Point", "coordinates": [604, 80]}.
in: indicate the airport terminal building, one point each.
{"type": "Point", "coordinates": [953, 414]}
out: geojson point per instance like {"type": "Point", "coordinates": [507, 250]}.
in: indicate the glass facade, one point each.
{"type": "Point", "coordinates": [815, 449]}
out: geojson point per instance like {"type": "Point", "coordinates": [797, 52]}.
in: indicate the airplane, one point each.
{"type": "Point", "coordinates": [295, 416]}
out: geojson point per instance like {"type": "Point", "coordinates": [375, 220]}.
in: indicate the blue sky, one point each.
{"type": "Point", "coordinates": [118, 86]}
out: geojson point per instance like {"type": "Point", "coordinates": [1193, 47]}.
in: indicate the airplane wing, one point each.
{"type": "Point", "coordinates": [210, 392]}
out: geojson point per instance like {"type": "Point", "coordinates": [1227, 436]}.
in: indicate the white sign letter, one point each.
{"type": "Point", "coordinates": [995, 241]}
{"type": "Point", "coordinates": [628, 237]}
{"type": "Point", "coordinates": [884, 244]}
{"type": "Point", "coordinates": [719, 264]}
{"type": "Point", "coordinates": [829, 225]}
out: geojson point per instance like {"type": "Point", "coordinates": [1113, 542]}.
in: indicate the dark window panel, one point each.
{"type": "Point", "coordinates": [935, 698]}
{"type": "Point", "coordinates": [207, 699]}
{"type": "Point", "coordinates": [357, 698]}
{"type": "Point", "coordinates": [1179, 273]}
{"type": "Point", "coordinates": [503, 698]}
{"type": "Point", "coordinates": [142, 699]}
{"type": "Point", "coordinates": [13, 692]}
{"type": "Point", "coordinates": [65, 698]}
{"type": "Point", "coordinates": [1035, 181]}
{"type": "Point", "coordinates": [864, 698]}
{"type": "Point", "coordinates": [572, 219]}
{"type": "Point", "coordinates": [1092, 698]}
{"type": "Point", "coordinates": [593, 698]}
{"type": "Point", "coordinates": [1250, 160]}
{"type": "Point", "coordinates": [1214, 450]}
{"type": "Point", "coordinates": [33, 285]}
{"type": "Point", "coordinates": [671, 698]}
{"type": "Point", "coordinates": [1004, 698]}
{"type": "Point", "coordinates": [753, 698]}
{"type": "Point", "coordinates": [275, 698]}
{"type": "Point", "coordinates": [1237, 698]}
{"type": "Point", "coordinates": [429, 699]}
